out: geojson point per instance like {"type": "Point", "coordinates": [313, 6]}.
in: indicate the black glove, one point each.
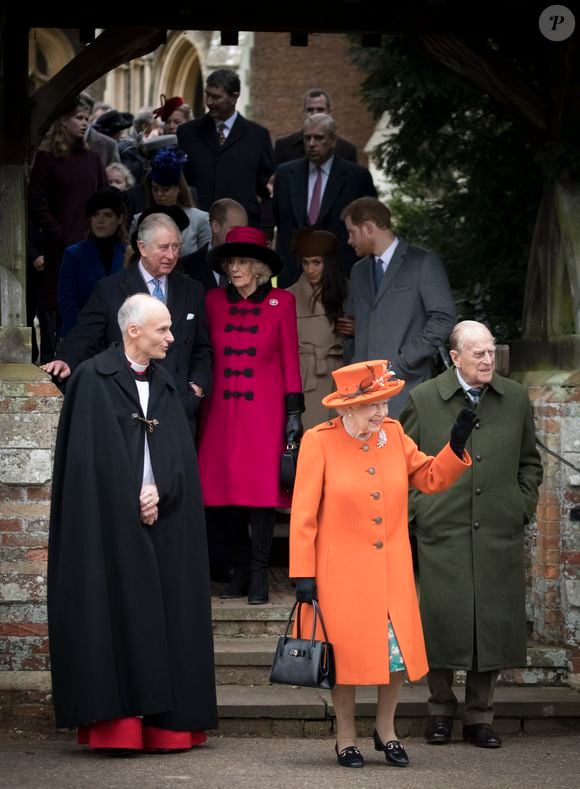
{"type": "Point", "coordinates": [294, 407]}
{"type": "Point", "coordinates": [461, 430]}
{"type": "Point", "coordinates": [306, 590]}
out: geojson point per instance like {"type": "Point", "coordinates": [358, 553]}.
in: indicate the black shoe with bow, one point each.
{"type": "Point", "coordinates": [349, 757]}
{"type": "Point", "coordinates": [482, 735]}
{"type": "Point", "coordinates": [394, 752]}
{"type": "Point", "coordinates": [438, 731]}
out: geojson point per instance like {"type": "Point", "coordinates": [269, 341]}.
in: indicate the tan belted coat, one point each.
{"type": "Point", "coordinates": [349, 530]}
{"type": "Point", "coordinates": [320, 349]}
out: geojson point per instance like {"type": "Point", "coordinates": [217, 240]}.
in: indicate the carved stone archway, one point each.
{"type": "Point", "coordinates": [181, 69]}
{"type": "Point", "coordinates": [49, 50]}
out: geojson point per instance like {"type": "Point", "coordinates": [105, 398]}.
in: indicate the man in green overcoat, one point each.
{"type": "Point", "coordinates": [471, 537]}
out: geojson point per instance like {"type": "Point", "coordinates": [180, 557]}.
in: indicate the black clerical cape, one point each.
{"type": "Point", "coordinates": [128, 604]}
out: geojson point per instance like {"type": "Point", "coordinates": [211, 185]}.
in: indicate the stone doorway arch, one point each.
{"type": "Point", "coordinates": [181, 69]}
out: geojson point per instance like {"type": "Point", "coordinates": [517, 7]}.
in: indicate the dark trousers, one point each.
{"type": "Point", "coordinates": [479, 690]}
{"type": "Point", "coordinates": [229, 543]}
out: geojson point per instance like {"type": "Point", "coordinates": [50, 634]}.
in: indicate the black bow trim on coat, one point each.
{"type": "Point", "coordinates": [245, 310]}
{"type": "Point", "coordinates": [236, 395]}
{"type": "Point", "coordinates": [247, 372]}
{"type": "Point", "coordinates": [251, 329]}
{"type": "Point", "coordinates": [239, 351]}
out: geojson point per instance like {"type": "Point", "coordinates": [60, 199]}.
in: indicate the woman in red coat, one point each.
{"type": "Point", "coordinates": [349, 544]}
{"type": "Point", "coordinates": [255, 404]}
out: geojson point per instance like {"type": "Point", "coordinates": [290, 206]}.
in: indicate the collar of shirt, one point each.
{"type": "Point", "coordinates": [325, 167]}
{"type": "Point", "coordinates": [148, 278]}
{"type": "Point", "coordinates": [387, 255]}
{"type": "Point", "coordinates": [464, 385]}
{"type": "Point", "coordinates": [228, 123]}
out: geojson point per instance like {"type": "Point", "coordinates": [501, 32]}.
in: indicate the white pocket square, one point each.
{"type": "Point", "coordinates": [190, 316]}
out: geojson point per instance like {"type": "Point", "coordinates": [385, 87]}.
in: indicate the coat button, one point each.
{"type": "Point", "coordinates": [365, 447]}
{"type": "Point", "coordinates": [375, 495]}
{"type": "Point", "coordinates": [378, 519]}
{"type": "Point", "coordinates": [371, 470]}
{"type": "Point", "coordinates": [476, 525]}
{"type": "Point", "coordinates": [478, 491]}
{"type": "Point", "coordinates": [378, 545]}
{"type": "Point", "coordinates": [478, 457]}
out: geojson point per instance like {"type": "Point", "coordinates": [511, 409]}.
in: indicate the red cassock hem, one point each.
{"type": "Point", "coordinates": [131, 733]}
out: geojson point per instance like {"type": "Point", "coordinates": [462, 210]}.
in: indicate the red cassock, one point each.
{"type": "Point", "coordinates": [256, 363]}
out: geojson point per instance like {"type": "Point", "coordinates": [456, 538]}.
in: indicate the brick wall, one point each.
{"type": "Point", "coordinates": [555, 546]}
{"type": "Point", "coordinates": [282, 74]}
{"type": "Point", "coordinates": [29, 411]}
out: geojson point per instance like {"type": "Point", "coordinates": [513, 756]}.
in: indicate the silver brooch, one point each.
{"type": "Point", "coordinates": [382, 439]}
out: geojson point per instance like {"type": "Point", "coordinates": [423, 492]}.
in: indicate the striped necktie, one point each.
{"type": "Point", "coordinates": [474, 394]}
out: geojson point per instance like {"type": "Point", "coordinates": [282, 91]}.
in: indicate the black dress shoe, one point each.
{"type": "Point", "coordinates": [394, 752]}
{"type": "Point", "coordinates": [482, 735]}
{"type": "Point", "coordinates": [349, 757]}
{"type": "Point", "coordinates": [438, 731]}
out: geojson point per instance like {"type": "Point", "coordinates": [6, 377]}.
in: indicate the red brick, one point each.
{"type": "Point", "coordinates": [14, 524]}
{"type": "Point", "coordinates": [570, 557]}
{"type": "Point", "coordinates": [277, 101]}
{"type": "Point", "coordinates": [24, 629]}
{"type": "Point", "coordinates": [38, 492]}
{"type": "Point", "coordinates": [550, 571]}
{"type": "Point", "coordinates": [11, 492]}
{"type": "Point", "coordinates": [42, 390]}
{"type": "Point", "coordinates": [37, 554]}
{"type": "Point", "coordinates": [24, 540]}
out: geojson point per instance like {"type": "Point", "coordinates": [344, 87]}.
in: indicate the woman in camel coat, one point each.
{"type": "Point", "coordinates": [349, 544]}
{"type": "Point", "coordinates": [320, 295]}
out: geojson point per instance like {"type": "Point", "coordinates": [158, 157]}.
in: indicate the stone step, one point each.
{"type": "Point", "coordinates": [247, 661]}
{"type": "Point", "coordinates": [281, 710]}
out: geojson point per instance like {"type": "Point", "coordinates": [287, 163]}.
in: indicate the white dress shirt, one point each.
{"type": "Point", "coordinates": [150, 280]}
{"type": "Point", "coordinates": [387, 255]}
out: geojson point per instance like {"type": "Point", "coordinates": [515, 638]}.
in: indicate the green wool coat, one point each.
{"type": "Point", "coordinates": [471, 537]}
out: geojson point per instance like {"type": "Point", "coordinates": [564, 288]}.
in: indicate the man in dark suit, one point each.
{"type": "Point", "coordinates": [292, 146]}
{"type": "Point", "coordinates": [189, 357]}
{"type": "Point", "coordinates": [313, 191]}
{"type": "Point", "coordinates": [223, 215]}
{"type": "Point", "coordinates": [227, 155]}
{"type": "Point", "coordinates": [399, 297]}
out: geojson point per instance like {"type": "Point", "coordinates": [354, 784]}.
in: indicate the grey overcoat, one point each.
{"type": "Point", "coordinates": [471, 537]}
{"type": "Point", "coordinates": [407, 320]}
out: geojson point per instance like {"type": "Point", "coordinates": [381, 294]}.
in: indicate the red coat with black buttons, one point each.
{"type": "Point", "coordinates": [255, 365]}
{"type": "Point", "coordinates": [349, 529]}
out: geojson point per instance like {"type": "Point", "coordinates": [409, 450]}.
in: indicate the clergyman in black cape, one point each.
{"type": "Point", "coordinates": [128, 581]}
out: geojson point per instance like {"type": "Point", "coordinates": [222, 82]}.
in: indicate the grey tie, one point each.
{"type": "Point", "coordinates": [378, 273]}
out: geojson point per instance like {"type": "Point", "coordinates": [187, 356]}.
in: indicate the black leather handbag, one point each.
{"type": "Point", "coordinates": [288, 463]}
{"type": "Point", "coordinates": [304, 661]}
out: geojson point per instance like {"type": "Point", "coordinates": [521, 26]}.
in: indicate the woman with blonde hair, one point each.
{"type": "Point", "coordinates": [64, 175]}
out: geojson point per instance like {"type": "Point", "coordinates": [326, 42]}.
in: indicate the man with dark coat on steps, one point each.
{"type": "Point", "coordinates": [128, 581]}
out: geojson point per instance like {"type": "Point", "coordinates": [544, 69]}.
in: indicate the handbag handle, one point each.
{"type": "Point", "coordinates": [317, 615]}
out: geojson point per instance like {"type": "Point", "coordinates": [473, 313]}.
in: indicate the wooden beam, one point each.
{"type": "Point", "coordinates": [489, 73]}
{"type": "Point", "coordinates": [115, 46]}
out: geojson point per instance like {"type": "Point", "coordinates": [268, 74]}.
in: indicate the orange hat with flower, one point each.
{"type": "Point", "coordinates": [363, 383]}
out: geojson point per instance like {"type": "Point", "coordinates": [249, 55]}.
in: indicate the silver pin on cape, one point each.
{"type": "Point", "coordinates": [382, 439]}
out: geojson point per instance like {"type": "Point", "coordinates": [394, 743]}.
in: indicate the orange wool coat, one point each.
{"type": "Point", "coordinates": [349, 529]}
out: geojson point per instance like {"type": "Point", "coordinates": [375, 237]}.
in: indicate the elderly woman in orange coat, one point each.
{"type": "Point", "coordinates": [349, 544]}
